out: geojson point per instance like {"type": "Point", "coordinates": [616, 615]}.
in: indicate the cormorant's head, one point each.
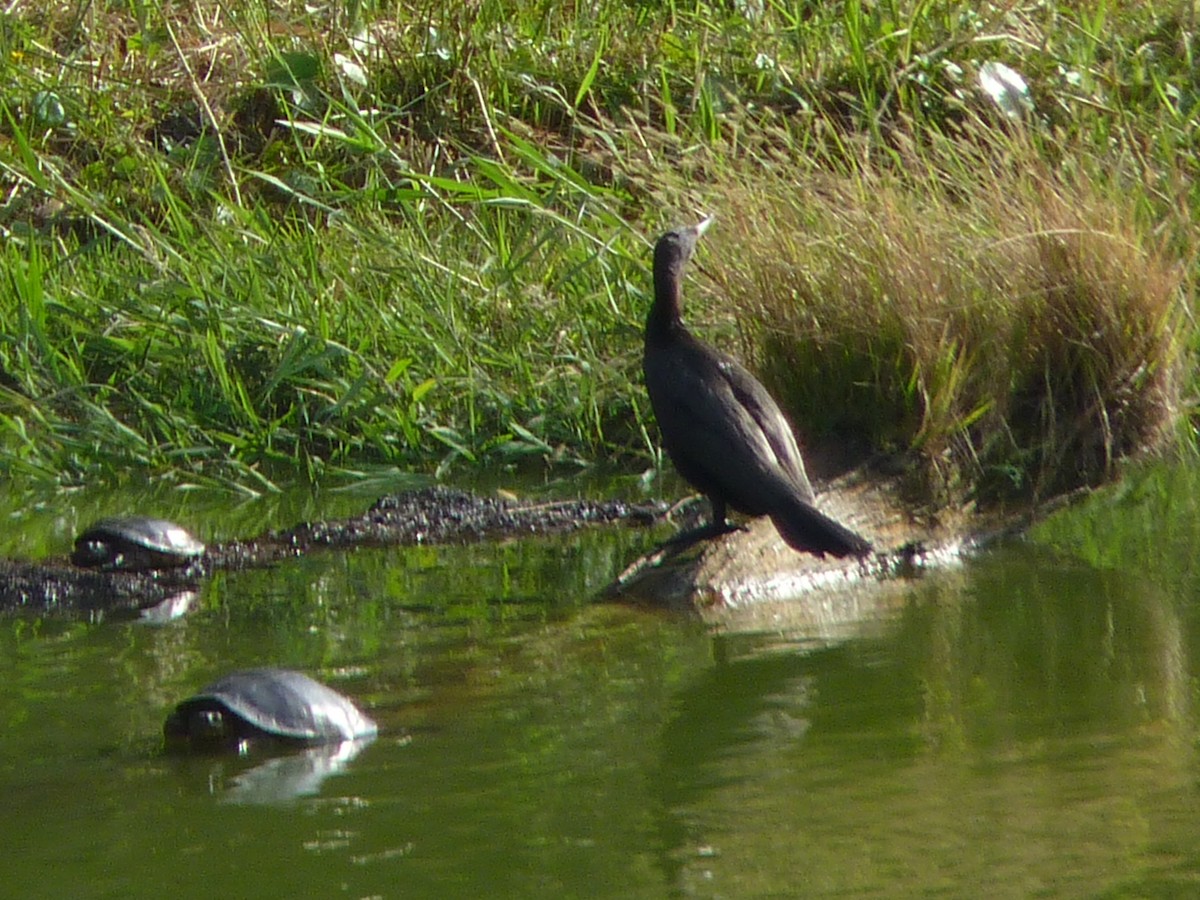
{"type": "Point", "coordinates": [675, 247]}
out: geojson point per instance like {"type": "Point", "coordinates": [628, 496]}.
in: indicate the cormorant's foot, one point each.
{"type": "Point", "coordinates": [673, 546]}
{"type": "Point", "coordinates": [685, 539]}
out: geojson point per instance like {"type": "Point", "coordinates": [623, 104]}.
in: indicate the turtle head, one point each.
{"type": "Point", "coordinates": [198, 726]}
{"type": "Point", "coordinates": [208, 726]}
{"type": "Point", "coordinates": [89, 553]}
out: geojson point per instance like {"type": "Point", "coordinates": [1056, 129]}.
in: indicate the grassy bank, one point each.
{"type": "Point", "coordinates": [240, 243]}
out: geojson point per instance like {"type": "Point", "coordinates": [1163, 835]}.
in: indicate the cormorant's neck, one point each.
{"type": "Point", "coordinates": [665, 319]}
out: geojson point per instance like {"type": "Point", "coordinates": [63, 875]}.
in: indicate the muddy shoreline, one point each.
{"type": "Point", "coordinates": [747, 578]}
{"type": "Point", "coordinates": [433, 515]}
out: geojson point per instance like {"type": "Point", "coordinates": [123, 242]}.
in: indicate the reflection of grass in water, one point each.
{"type": "Point", "coordinates": [1020, 730]}
{"type": "Point", "coordinates": [1007, 735]}
{"type": "Point", "coordinates": [1148, 524]}
{"type": "Point", "coordinates": [292, 240]}
{"type": "Point", "coordinates": [42, 520]}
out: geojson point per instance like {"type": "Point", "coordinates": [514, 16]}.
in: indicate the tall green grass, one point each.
{"type": "Point", "coordinates": [249, 243]}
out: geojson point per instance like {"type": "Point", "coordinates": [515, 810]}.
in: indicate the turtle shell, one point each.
{"type": "Point", "coordinates": [275, 703]}
{"type": "Point", "coordinates": [135, 542]}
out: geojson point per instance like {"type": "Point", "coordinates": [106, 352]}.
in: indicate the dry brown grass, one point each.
{"type": "Point", "coordinates": [1018, 329]}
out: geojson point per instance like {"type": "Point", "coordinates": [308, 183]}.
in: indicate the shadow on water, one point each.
{"type": "Point", "coordinates": [1024, 725]}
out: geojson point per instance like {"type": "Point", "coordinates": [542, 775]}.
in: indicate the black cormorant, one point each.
{"type": "Point", "coordinates": [724, 432]}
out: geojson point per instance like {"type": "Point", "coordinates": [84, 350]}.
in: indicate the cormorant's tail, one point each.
{"type": "Point", "coordinates": [804, 527]}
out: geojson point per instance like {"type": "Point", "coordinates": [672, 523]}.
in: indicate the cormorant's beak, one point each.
{"type": "Point", "coordinates": [702, 225]}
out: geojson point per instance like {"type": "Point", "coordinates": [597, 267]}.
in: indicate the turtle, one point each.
{"type": "Point", "coordinates": [135, 543]}
{"type": "Point", "coordinates": [277, 705]}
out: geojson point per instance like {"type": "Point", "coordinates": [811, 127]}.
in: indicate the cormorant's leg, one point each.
{"type": "Point", "coordinates": [720, 524]}
{"type": "Point", "coordinates": [717, 527]}
{"type": "Point", "coordinates": [673, 546]}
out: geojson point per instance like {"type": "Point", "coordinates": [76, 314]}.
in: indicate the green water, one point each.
{"type": "Point", "coordinates": [1026, 726]}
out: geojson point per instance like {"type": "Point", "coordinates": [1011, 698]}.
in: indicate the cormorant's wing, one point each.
{"type": "Point", "coordinates": [714, 438]}
{"type": "Point", "coordinates": [761, 406]}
